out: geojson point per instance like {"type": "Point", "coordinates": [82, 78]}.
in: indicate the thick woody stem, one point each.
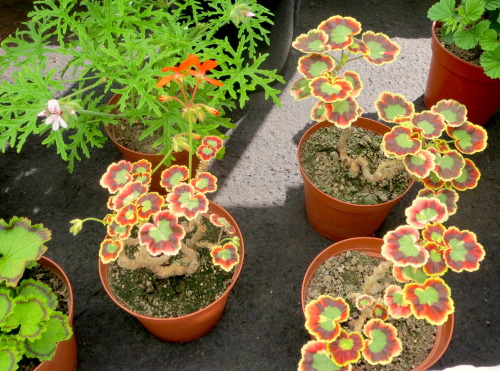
{"type": "Point", "coordinates": [371, 286]}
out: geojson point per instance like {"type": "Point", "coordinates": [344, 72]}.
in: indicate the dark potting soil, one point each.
{"type": "Point", "coordinates": [127, 135]}
{"type": "Point", "coordinates": [144, 293]}
{"type": "Point", "coordinates": [470, 55]}
{"type": "Point", "coordinates": [58, 287]}
{"type": "Point", "coordinates": [321, 164]}
{"type": "Point", "coordinates": [344, 274]}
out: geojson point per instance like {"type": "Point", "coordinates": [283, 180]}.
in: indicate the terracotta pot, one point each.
{"type": "Point", "coordinates": [335, 219]}
{"type": "Point", "coordinates": [191, 326]}
{"type": "Point", "coordinates": [371, 246]}
{"type": "Point", "coordinates": [65, 358]}
{"type": "Point", "coordinates": [181, 158]}
{"type": "Point", "coordinates": [453, 78]}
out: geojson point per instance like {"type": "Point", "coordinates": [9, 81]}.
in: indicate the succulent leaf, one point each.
{"type": "Point", "coordinates": [425, 210]}
{"type": "Point", "coordinates": [402, 248]}
{"type": "Point", "coordinates": [462, 251]}
{"type": "Point", "coordinates": [431, 301]}
{"type": "Point", "coordinates": [315, 65]}
{"type": "Point", "coordinates": [323, 316]}
{"type": "Point", "coordinates": [346, 348]}
{"type": "Point", "coordinates": [340, 31]}
{"type": "Point", "coordinates": [110, 249]}
{"type": "Point", "coordinates": [315, 41]}
{"type": "Point", "coordinates": [381, 49]}
{"type": "Point", "coordinates": [391, 106]}
{"type": "Point", "coordinates": [226, 256]}
{"type": "Point", "coordinates": [185, 201]}
{"type": "Point", "coordinates": [116, 176]}
{"type": "Point", "coordinates": [173, 176]}
{"type": "Point", "coordinates": [163, 236]}
{"type": "Point", "coordinates": [396, 305]}
{"type": "Point", "coordinates": [382, 344]}
{"type": "Point", "coordinates": [21, 243]}
{"type": "Point", "coordinates": [469, 138]}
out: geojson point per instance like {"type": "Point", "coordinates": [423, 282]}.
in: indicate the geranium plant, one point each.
{"type": "Point", "coordinates": [472, 25]}
{"type": "Point", "coordinates": [31, 324]}
{"type": "Point", "coordinates": [417, 254]}
{"type": "Point", "coordinates": [329, 48]}
{"type": "Point", "coordinates": [168, 230]}
{"type": "Point", "coordinates": [119, 46]}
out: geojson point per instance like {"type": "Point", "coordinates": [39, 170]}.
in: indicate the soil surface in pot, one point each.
{"type": "Point", "coordinates": [321, 164]}
{"type": "Point", "coordinates": [344, 274]}
{"type": "Point", "coordinates": [470, 55]}
{"type": "Point", "coordinates": [59, 288]}
{"type": "Point", "coordinates": [127, 135]}
{"type": "Point", "coordinates": [144, 293]}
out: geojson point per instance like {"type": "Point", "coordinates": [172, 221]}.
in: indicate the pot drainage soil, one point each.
{"type": "Point", "coordinates": [345, 273]}
{"type": "Point", "coordinates": [320, 161]}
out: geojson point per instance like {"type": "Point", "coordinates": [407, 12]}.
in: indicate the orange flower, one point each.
{"type": "Point", "coordinates": [203, 68]}
{"type": "Point", "coordinates": [178, 71]}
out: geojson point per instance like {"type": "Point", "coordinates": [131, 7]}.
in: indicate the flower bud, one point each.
{"type": "Point", "coordinates": [76, 227]}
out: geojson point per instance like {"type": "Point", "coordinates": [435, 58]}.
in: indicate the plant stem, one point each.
{"type": "Point", "coordinates": [167, 156]}
{"type": "Point", "coordinates": [101, 81]}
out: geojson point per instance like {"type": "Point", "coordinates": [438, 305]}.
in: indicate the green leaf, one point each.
{"type": "Point", "coordinates": [9, 356]}
{"type": "Point", "coordinates": [474, 9]}
{"type": "Point", "coordinates": [442, 10]}
{"type": "Point", "coordinates": [29, 315]}
{"type": "Point", "coordinates": [489, 40]}
{"type": "Point", "coordinates": [43, 292]}
{"type": "Point", "coordinates": [490, 60]}
{"type": "Point", "coordinates": [467, 39]}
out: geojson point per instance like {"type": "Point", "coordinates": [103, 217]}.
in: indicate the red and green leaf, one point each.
{"type": "Point", "coordinates": [173, 176]}
{"type": "Point", "coordinates": [379, 311]}
{"type": "Point", "coordinates": [212, 141]}
{"type": "Point", "coordinates": [407, 274]}
{"type": "Point", "coordinates": [226, 256]}
{"type": "Point", "coordinates": [346, 348]}
{"type": "Point", "coordinates": [330, 89]}
{"type": "Point", "coordinates": [300, 89]}
{"type": "Point", "coordinates": [358, 47]}
{"type": "Point", "coordinates": [431, 301]}
{"type": "Point", "coordinates": [321, 111]}
{"type": "Point", "coordinates": [163, 236]}
{"type": "Point", "coordinates": [127, 215]}
{"type": "Point", "coordinates": [469, 138]}
{"type": "Point", "coordinates": [433, 232]}
{"type": "Point", "coordinates": [399, 142]}
{"type": "Point", "coordinates": [429, 124]}
{"type": "Point", "coordinates": [462, 251]}
{"type": "Point", "coordinates": [315, 65]}
{"type": "Point", "coordinates": [343, 113]}
{"type": "Point", "coordinates": [206, 153]}
{"type": "Point", "coordinates": [355, 80]}
{"type": "Point", "coordinates": [381, 49]}
{"type": "Point", "coordinates": [433, 181]}
{"type": "Point", "coordinates": [396, 305]}
{"type": "Point", "coordinates": [323, 316]}
{"type": "Point", "coordinates": [141, 167]}
{"type": "Point", "coordinates": [116, 176]}
{"type": "Point", "coordinates": [425, 210]}
{"type": "Point", "coordinates": [436, 265]}
{"type": "Point", "coordinates": [392, 106]}
{"type": "Point", "coordinates": [204, 183]}
{"type": "Point", "coordinates": [315, 357]}
{"type": "Point", "coordinates": [468, 178]}
{"type": "Point", "coordinates": [110, 250]}
{"type": "Point", "coordinates": [401, 247]}
{"type": "Point", "coordinates": [382, 344]}
{"type": "Point", "coordinates": [340, 31]}
{"type": "Point", "coordinates": [185, 201]}
{"type": "Point", "coordinates": [454, 113]}
{"type": "Point", "coordinates": [449, 165]}
{"type": "Point", "coordinates": [222, 222]}
{"type": "Point", "coordinates": [364, 301]}
{"type": "Point", "coordinates": [148, 204]}
{"type": "Point", "coordinates": [420, 163]}
{"type": "Point", "coordinates": [128, 194]}
{"type": "Point", "coordinates": [143, 178]}
{"type": "Point", "coordinates": [447, 196]}
{"type": "Point", "coordinates": [315, 41]}
{"type": "Point", "coordinates": [121, 231]}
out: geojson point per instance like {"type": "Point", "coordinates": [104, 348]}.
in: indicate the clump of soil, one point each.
{"type": "Point", "coordinates": [144, 293]}
{"type": "Point", "coordinates": [344, 274]}
{"type": "Point", "coordinates": [323, 167]}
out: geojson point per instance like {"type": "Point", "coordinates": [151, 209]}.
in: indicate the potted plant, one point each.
{"type": "Point", "coordinates": [120, 47]}
{"type": "Point", "coordinates": [342, 137]}
{"type": "Point", "coordinates": [417, 254]}
{"type": "Point", "coordinates": [35, 317]}
{"type": "Point", "coordinates": [465, 64]}
{"type": "Point", "coordinates": [171, 260]}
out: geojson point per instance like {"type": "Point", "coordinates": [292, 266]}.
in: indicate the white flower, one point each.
{"type": "Point", "coordinates": [249, 14]}
{"type": "Point", "coordinates": [54, 114]}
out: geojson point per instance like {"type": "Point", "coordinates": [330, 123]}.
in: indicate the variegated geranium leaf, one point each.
{"type": "Point", "coordinates": [340, 31]}
{"type": "Point", "coordinates": [420, 163]}
{"type": "Point", "coordinates": [164, 235]}
{"type": "Point", "coordinates": [315, 65]}
{"type": "Point", "coordinates": [343, 113]}
{"type": "Point", "coordinates": [364, 301]}
{"type": "Point", "coordinates": [381, 49]}
{"type": "Point", "coordinates": [315, 357]}
{"type": "Point", "coordinates": [346, 348]}
{"type": "Point", "coordinates": [426, 210]}
{"type": "Point", "coordinates": [185, 201]}
{"type": "Point", "coordinates": [330, 89]}
{"type": "Point", "coordinates": [469, 138]}
{"type": "Point", "coordinates": [148, 204]}
{"type": "Point", "coordinates": [222, 222]}
{"type": "Point", "coordinates": [449, 165]}
{"type": "Point", "coordinates": [141, 166]}
{"type": "Point", "coordinates": [128, 194]}
{"type": "Point", "coordinates": [396, 305]}
{"type": "Point", "coordinates": [380, 311]}
{"type": "Point", "coordinates": [110, 250]}
{"type": "Point", "coordinates": [447, 196]}
{"type": "Point", "coordinates": [462, 251]}
{"type": "Point", "coordinates": [433, 232]}
{"type": "Point", "coordinates": [212, 141]}
{"type": "Point", "coordinates": [436, 265]}
{"type": "Point", "coordinates": [429, 124]}
{"type": "Point", "coordinates": [120, 231]}
{"type": "Point", "coordinates": [116, 176]}
{"type": "Point", "coordinates": [315, 41]}
{"type": "Point", "coordinates": [399, 142]}
{"type": "Point", "coordinates": [402, 248]}
{"type": "Point", "coordinates": [392, 106]}
{"type": "Point", "coordinates": [355, 80]}
{"type": "Point", "coordinates": [382, 344]}
{"type": "Point", "coordinates": [407, 274]}
{"type": "Point", "coordinates": [468, 178]}
{"type": "Point", "coordinates": [173, 176]}
{"type": "Point", "coordinates": [127, 215]}
{"type": "Point", "coordinates": [206, 153]}
{"type": "Point", "coordinates": [300, 89]}
{"type": "Point", "coordinates": [323, 316]}
{"type": "Point", "coordinates": [226, 256]}
{"type": "Point", "coordinates": [204, 183]}
{"type": "Point", "coordinates": [454, 113]}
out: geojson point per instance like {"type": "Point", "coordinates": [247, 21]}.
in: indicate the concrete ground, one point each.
{"type": "Point", "coordinates": [260, 185]}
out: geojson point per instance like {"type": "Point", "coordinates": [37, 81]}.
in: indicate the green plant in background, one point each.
{"type": "Point", "coordinates": [30, 325]}
{"type": "Point", "coordinates": [419, 253]}
{"type": "Point", "coordinates": [472, 24]}
{"type": "Point", "coordinates": [120, 46]}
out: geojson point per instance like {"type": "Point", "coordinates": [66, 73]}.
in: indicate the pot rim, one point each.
{"type": "Point", "coordinates": [323, 124]}
{"type": "Point", "coordinates": [103, 274]}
